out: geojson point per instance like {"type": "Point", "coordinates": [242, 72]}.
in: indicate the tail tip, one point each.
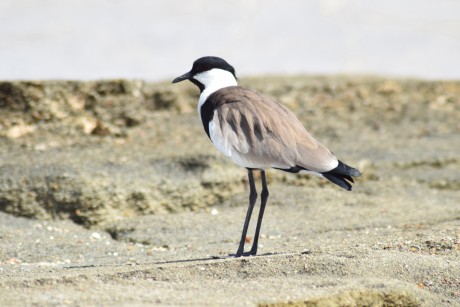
{"type": "Point", "coordinates": [355, 173]}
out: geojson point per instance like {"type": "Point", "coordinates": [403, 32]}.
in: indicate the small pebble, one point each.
{"type": "Point", "coordinates": [96, 235]}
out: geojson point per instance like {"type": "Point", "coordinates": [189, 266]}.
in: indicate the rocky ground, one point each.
{"type": "Point", "coordinates": [111, 194]}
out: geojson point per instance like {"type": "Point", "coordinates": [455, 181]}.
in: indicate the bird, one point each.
{"type": "Point", "coordinates": [258, 133]}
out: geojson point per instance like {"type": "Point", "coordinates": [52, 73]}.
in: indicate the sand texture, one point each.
{"type": "Point", "coordinates": [111, 194]}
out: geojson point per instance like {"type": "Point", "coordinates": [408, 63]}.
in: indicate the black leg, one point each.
{"type": "Point", "coordinates": [264, 198]}
{"type": "Point", "coordinates": [252, 201]}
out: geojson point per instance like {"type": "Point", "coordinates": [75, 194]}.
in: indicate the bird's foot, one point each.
{"type": "Point", "coordinates": [247, 254]}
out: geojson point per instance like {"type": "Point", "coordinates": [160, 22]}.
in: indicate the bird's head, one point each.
{"type": "Point", "coordinates": [209, 71]}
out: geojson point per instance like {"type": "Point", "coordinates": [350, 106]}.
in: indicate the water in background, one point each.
{"type": "Point", "coordinates": [156, 40]}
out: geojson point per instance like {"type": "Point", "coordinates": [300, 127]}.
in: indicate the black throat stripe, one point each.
{"type": "Point", "coordinates": [209, 106]}
{"type": "Point", "coordinates": [207, 112]}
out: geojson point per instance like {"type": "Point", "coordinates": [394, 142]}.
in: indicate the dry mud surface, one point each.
{"type": "Point", "coordinates": [111, 194]}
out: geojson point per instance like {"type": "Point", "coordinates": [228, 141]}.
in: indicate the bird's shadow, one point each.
{"type": "Point", "coordinates": [198, 260]}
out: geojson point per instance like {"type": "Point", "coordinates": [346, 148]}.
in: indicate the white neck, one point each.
{"type": "Point", "coordinates": [213, 80]}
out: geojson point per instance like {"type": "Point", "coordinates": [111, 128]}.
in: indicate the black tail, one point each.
{"type": "Point", "coordinates": [341, 174]}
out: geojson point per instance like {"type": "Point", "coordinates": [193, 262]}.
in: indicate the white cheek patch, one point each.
{"type": "Point", "coordinates": [213, 80]}
{"type": "Point", "coordinates": [216, 78]}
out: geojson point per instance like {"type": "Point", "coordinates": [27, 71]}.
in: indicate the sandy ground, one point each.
{"type": "Point", "coordinates": [111, 194]}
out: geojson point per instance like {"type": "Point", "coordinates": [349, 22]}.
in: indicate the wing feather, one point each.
{"type": "Point", "coordinates": [255, 130]}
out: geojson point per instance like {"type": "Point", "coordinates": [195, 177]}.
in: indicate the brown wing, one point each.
{"type": "Point", "coordinates": [263, 130]}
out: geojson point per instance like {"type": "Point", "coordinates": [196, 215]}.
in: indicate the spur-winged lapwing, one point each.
{"type": "Point", "coordinates": [257, 133]}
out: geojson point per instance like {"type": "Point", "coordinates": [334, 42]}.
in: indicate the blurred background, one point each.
{"type": "Point", "coordinates": [158, 40]}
